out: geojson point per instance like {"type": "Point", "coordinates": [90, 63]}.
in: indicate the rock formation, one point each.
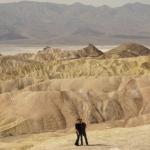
{"type": "Point", "coordinates": [49, 54]}
{"type": "Point", "coordinates": [128, 50]}
{"type": "Point", "coordinates": [44, 94]}
{"type": "Point", "coordinates": [56, 104]}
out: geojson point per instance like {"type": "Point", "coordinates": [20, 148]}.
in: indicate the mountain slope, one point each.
{"type": "Point", "coordinates": [128, 50]}
{"type": "Point", "coordinates": [74, 24]}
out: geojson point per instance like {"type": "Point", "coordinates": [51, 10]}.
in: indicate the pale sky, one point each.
{"type": "Point", "coordinates": [112, 3]}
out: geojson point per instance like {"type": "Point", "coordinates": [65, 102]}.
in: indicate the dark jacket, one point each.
{"type": "Point", "coordinates": [80, 127]}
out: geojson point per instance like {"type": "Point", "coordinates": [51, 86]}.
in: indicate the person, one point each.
{"type": "Point", "coordinates": [81, 132]}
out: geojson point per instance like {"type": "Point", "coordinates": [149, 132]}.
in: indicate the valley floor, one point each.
{"type": "Point", "coordinates": [136, 138]}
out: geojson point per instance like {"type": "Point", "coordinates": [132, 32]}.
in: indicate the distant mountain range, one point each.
{"type": "Point", "coordinates": [34, 22]}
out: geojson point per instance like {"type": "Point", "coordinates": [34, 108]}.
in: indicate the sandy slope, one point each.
{"type": "Point", "coordinates": [56, 104]}
{"type": "Point", "coordinates": [109, 139]}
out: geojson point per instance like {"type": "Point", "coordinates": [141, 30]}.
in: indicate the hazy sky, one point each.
{"type": "Point", "coordinates": [112, 3]}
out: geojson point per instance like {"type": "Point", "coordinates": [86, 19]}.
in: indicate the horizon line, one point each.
{"type": "Point", "coordinates": [34, 1]}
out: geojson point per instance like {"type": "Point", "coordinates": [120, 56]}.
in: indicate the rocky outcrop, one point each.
{"type": "Point", "coordinates": [12, 69]}
{"type": "Point", "coordinates": [128, 50]}
{"type": "Point", "coordinates": [49, 54]}
{"type": "Point", "coordinates": [89, 51]}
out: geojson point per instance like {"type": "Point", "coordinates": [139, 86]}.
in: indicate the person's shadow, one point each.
{"type": "Point", "coordinates": [98, 145]}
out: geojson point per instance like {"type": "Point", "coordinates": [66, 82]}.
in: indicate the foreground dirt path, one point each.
{"type": "Point", "coordinates": [137, 138]}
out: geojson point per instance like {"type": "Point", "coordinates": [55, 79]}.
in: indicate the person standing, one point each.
{"type": "Point", "coordinates": [80, 127]}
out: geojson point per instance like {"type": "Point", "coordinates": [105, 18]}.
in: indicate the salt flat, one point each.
{"type": "Point", "coordinates": [15, 49]}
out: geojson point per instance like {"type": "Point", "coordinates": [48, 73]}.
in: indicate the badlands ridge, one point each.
{"type": "Point", "coordinates": [48, 90]}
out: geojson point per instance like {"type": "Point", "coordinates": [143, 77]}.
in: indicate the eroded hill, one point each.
{"type": "Point", "coordinates": [48, 95]}
{"type": "Point", "coordinates": [128, 50]}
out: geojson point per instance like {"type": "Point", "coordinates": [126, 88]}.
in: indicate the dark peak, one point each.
{"type": "Point", "coordinates": [91, 46]}
{"type": "Point", "coordinates": [128, 50]}
{"type": "Point", "coordinates": [131, 46]}
{"type": "Point", "coordinates": [92, 49]}
{"type": "Point", "coordinates": [47, 48]}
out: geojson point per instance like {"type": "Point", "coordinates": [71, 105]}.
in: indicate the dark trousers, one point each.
{"type": "Point", "coordinates": [80, 137]}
